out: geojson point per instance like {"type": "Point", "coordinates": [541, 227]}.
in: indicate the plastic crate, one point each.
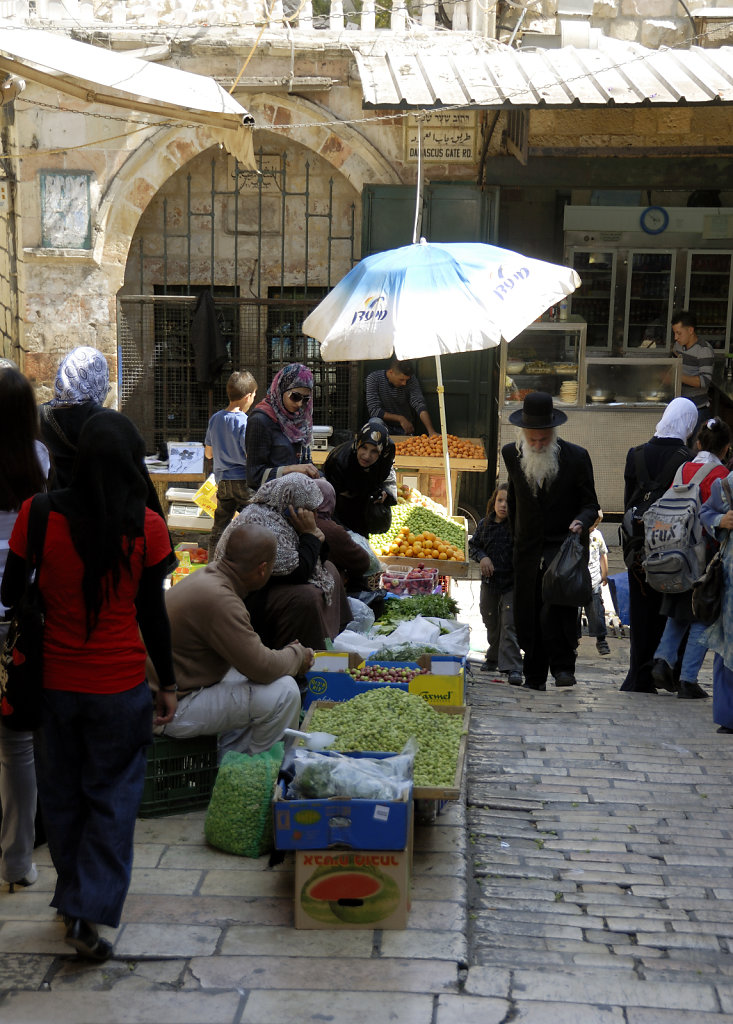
{"type": "Point", "coordinates": [179, 777]}
{"type": "Point", "coordinates": [404, 580]}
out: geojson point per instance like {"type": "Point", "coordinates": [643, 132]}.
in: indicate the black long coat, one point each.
{"type": "Point", "coordinates": [540, 522]}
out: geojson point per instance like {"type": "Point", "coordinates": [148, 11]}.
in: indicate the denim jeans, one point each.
{"type": "Point", "coordinates": [695, 652]}
{"type": "Point", "coordinates": [91, 753]}
{"type": "Point", "coordinates": [17, 798]}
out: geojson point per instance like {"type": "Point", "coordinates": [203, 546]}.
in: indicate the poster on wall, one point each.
{"type": "Point", "coordinates": [65, 210]}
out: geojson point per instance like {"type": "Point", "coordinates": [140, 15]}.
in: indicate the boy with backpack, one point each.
{"type": "Point", "coordinates": [225, 445]}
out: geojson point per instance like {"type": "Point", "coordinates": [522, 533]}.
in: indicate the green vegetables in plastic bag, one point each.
{"type": "Point", "coordinates": [239, 818]}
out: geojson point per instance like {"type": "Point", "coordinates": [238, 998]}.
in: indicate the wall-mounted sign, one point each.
{"type": "Point", "coordinates": [65, 210]}
{"type": "Point", "coordinates": [448, 136]}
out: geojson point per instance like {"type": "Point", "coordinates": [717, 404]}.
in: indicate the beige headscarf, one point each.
{"type": "Point", "coordinates": [268, 508]}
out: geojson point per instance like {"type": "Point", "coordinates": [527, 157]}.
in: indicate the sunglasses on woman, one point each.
{"type": "Point", "coordinates": [298, 397]}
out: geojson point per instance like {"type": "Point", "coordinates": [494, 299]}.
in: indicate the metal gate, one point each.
{"type": "Point", "coordinates": [158, 386]}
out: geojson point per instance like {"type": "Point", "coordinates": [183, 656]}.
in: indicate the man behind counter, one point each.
{"type": "Point", "coordinates": [394, 395]}
{"type": "Point", "coordinates": [697, 361]}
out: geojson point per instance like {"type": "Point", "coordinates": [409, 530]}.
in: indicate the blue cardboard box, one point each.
{"type": "Point", "coordinates": [342, 821]}
{"type": "Point", "coordinates": [443, 683]}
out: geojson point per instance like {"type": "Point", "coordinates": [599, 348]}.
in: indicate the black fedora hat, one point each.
{"type": "Point", "coordinates": [537, 413]}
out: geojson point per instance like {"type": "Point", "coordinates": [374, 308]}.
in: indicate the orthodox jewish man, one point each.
{"type": "Point", "coordinates": [551, 492]}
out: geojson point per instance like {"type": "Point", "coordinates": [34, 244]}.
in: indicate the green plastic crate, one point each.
{"type": "Point", "coordinates": [179, 777]}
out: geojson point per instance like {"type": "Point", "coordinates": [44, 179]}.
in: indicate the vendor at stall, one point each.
{"type": "Point", "coordinates": [362, 474]}
{"type": "Point", "coordinates": [697, 362]}
{"type": "Point", "coordinates": [394, 395]}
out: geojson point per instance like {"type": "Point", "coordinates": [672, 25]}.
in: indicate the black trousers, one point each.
{"type": "Point", "coordinates": [554, 641]}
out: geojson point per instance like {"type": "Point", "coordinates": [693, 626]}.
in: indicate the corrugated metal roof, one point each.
{"type": "Point", "coordinates": [445, 71]}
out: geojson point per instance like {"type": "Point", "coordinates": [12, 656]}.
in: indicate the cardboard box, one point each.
{"type": "Point", "coordinates": [444, 682]}
{"type": "Point", "coordinates": [352, 889]}
{"type": "Point", "coordinates": [342, 821]}
{"type": "Point", "coordinates": [185, 457]}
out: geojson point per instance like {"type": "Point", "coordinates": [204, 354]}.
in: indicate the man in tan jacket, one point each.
{"type": "Point", "coordinates": [229, 683]}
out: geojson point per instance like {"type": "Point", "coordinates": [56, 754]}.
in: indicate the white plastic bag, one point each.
{"type": "Point", "coordinates": [357, 643]}
{"type": "Point", "coordinates": [363, 616]}
{"type": "Point", "coordinates": [458, 641]}
{"type": "Point", "coordinates": [417, 630]}
{"type": "Point", "coordinates": [374, 564]}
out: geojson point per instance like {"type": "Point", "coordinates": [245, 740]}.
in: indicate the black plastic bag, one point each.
{"type": "Point", "coordinates": [567, 577]}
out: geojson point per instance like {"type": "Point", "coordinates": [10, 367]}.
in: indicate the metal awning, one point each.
{"type": "Point", "coordinates": [443, 72]}
{"type": "Point", "coordinates": [105, 76]}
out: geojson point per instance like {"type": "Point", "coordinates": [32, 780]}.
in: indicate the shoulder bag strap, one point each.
{"type": "Point", "coordinates": [37, 522]}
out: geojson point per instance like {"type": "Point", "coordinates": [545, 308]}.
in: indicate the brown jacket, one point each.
{"type": "Point", "coordinates": [211, 633]}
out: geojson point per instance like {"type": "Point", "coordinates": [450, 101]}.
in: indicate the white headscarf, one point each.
{"type": "Point", "coordinates": [678, 420]}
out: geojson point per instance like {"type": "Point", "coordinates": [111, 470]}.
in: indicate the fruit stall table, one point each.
{"type": "Point", "coordinates": [162, 481]}
{"type": "Point", "coordinates": [427, 473]}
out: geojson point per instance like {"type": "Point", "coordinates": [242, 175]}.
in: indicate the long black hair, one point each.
{"type": "Point", "coordinates": [105, 504]}
{"type": "Point", "coordinates": [20, 472]}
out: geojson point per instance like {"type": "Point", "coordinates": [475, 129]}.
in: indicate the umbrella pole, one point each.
{"type": "Point", "coordinates": [444, 434]}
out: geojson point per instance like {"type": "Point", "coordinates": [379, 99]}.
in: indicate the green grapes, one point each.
{"type": "Point", "coordinates": [384, 720]}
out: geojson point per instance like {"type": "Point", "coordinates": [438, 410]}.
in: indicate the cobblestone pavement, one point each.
{"type": "Point", "coordinates": [586, 879]}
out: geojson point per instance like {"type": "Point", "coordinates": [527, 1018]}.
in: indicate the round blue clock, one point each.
{"type": "Point", "coordinates": [654, 220]}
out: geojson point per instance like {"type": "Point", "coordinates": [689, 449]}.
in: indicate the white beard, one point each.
{"type": "Point", "coordinates": [539, 468]}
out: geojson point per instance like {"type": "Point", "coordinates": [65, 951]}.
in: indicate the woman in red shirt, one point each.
{"type": "Point", "coordinates": [104, 558]}
{"type": "Point", "coordinates": [713, 441]}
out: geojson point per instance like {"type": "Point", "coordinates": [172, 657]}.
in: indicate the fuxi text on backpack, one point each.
{"type": "Point", "coordinates": [674, 543]}
{"type": "Point", "coordinates": [631, 530]}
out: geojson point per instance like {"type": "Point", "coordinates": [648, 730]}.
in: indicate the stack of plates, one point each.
{"type": "Point", "coordinates": [569, 392]}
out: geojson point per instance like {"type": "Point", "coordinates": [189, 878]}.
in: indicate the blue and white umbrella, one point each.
{"type": "Point", "coordinates": [433, 299]}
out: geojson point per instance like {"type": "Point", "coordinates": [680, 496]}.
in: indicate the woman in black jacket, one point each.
{"type": "Point", "coordinates": [280, 428]}
{"type": "Point", "coordinates": [661, 456]}
{"type": "Point", "coordinates": [361, 473]}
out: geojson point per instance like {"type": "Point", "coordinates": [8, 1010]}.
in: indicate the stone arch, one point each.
{"type": "Point", "coordinates": [344, 147]}
{"type": "Point", "coordinates": [166, 150]}
{"type": "Point", "coordinates": [156, 159]}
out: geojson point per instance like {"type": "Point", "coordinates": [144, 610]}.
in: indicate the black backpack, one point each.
{"type": "Point", "coordinates": [631, 530]}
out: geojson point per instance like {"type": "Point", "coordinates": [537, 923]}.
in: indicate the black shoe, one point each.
{"type": "Point", "coordinates": [488, 666]}
{"type": "Point", "coordinates": [724, 728]}
{"type": "Point", "coordinates": [691, 691]}
{"type": "Point", "coordinates": [534, 686]}
{"type": "Point", "coordinates": [515, 679]}
{"type": "Point", "coordinates": [564, 679]}
{"type": "Point", "coordinates": [662, 675]}
{"type": "Point", "coordinates": [84, 938]}
{"type": "Point", "coordinates": [602, 646]}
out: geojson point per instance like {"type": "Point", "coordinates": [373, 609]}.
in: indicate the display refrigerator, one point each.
{"type": "Point", "coordinates": [638, 264]}
{"type": "Point", "coordinates": [612, 401]}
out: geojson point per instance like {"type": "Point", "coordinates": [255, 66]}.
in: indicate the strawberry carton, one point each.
{"type": "Point", "coordinates": [407, 582]}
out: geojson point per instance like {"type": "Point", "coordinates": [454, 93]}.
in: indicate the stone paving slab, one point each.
{"type": "Point", "coordinates": [586, 878]}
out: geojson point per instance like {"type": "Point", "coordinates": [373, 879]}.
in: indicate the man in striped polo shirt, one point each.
{"type": "Point", "coordinates": [697, 362]}
{"type": "Point", "coordinates": [394, 395]}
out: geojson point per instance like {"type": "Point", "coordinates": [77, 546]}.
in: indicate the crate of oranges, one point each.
{"type": "Point", "coordinates": [422, 451]}
{"type": "Point", "coordinates": [433, 541]}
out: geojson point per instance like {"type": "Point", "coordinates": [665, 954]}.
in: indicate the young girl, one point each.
{"type": "Point", "coordinates": [491, 547]}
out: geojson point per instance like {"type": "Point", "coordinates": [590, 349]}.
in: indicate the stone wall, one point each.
{"type": "Point", "coordinates": [652, 23]}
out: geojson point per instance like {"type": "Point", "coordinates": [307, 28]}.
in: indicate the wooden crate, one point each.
{"type": "Point", "coordinates": [444, 567]}
{"type": "Point", "coordinates": [421, 792]}
{"type": "Point", "coordinates": [406, 462]}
